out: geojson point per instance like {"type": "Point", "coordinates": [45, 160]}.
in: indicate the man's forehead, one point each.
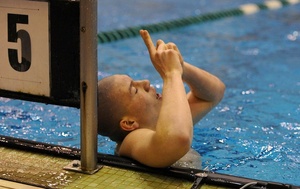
{"type": "Point", "coordinates": [121, 83]}
{"type": "Point", "coordinates": [122, 78]}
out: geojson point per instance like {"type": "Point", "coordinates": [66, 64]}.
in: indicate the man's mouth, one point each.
{"type": "Point", "coordinates": [158, 96]}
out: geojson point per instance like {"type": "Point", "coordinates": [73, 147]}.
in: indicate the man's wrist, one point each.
{"type": "Point", "coordinates": [172, 75]}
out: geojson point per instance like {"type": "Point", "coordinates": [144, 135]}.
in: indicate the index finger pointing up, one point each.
{"type": "Point", "coordinates": [148, 41]}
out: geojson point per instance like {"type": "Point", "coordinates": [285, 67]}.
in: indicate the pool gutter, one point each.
{"type": "Point", "coordinates": [198, 177]}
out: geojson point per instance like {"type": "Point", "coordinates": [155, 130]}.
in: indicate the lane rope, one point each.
{"type": "Point", "coordinates": [247, 9]}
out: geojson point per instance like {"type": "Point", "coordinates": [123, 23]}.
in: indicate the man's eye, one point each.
{"type": "Point", "coordinates": [134, 90]}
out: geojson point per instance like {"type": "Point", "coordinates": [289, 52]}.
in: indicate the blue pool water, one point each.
{"type": "Point", "coordinates": [254, 132]}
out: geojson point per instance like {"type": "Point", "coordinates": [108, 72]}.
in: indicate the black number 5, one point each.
{"type": "Point", "coordinates": [13, 35]}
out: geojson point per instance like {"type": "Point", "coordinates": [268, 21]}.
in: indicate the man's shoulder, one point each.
{"type": "Point", "coordinates": [137, 136]}
{"type": "Point", "coordinates": [139, 133]}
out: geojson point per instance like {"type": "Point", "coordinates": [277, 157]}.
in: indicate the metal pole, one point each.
{"type": "Point", "coordinates": [88, 85]}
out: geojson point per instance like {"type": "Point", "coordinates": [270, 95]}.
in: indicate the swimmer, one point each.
{"type": "Point", "coordinates": [157, 129]}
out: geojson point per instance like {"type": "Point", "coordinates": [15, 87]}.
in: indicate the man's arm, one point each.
{"type": "Point", "coordinates": [206, 90]}
{"type": "Point", "coordinates": [174, 128]}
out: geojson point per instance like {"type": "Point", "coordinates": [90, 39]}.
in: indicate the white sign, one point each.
{"type": "Point", "coordinates": [24, 47]}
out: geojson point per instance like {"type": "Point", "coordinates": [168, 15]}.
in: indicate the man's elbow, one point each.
{"type": "Point", "coordinates": [222, 90]}
{"type": "Point", "coordinates": [185, 142]}
{"type": "Point", "coordinates": [169, 153]}
{"type": "Point", "coordinates": [220, 93]}
{"type": "Point", "coordinates": [180, 143]}
{"type": "Point", "coordinates": [180, 147]}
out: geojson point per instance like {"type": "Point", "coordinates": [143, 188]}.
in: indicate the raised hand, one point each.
{"type": "Point", "coordinates": [166, 58]}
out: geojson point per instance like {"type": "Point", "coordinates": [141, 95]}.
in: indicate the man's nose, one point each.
{"type": "Point", "coordinates": [145, 84]}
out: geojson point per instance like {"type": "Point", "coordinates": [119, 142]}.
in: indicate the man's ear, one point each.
{"type": "Point", "coordinates": [129, 124]}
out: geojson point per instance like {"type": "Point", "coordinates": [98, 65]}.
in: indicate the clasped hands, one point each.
{"type": "Point", "coordinates": [166, 58]}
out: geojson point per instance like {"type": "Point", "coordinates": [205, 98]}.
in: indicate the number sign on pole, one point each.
{"type": "Point", "coordinates": [39, 51]}
{"type": "Point", "coordinates": [44, 57]}
{"type": "Point", "coordinates": [24, 43]}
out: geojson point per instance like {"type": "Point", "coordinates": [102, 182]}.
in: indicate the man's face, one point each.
{"type": "Point", "coordinates": [139, 99]}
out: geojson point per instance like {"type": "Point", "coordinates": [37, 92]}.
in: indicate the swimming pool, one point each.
{"type": "Point", "coordinates": [253, 132]}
